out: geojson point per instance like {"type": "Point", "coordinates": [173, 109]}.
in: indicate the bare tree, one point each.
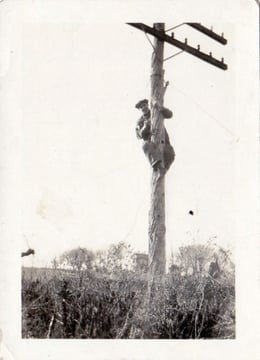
{"type": "Point", "coordinates": [78, 259]}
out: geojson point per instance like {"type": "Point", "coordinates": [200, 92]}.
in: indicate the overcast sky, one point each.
{"type": "Point", "coordinates": [83, 178]}
{"type": "Point", "coordinates": [86, 181]}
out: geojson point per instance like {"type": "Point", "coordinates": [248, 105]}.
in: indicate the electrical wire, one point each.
{"type": "Point", "coordinates": [27, 242]}
{"type": "Point", "coordinates": [231, 133]}
{"type": "Point", "coordinates": [134, 220]}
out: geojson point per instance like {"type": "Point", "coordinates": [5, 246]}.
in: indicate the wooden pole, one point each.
{"type": "Point", "coordinates": [156, 232]}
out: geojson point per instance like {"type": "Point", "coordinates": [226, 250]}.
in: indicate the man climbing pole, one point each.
{"type": "Point", "coordinates": [161, 162]}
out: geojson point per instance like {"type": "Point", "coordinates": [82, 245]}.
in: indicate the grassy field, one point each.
{"type": "Point", "coordinates": [90, 304]}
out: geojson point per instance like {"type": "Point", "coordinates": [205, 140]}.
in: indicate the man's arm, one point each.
{"type": "Point", "coordinates": [138, 128]}
{"type": "Point", "coordinates": [167, 113]}
{"type": "Point", "coordinates": [143, 128]}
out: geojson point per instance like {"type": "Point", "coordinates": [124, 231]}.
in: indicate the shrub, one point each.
{"type": "Point", "coordinates": [93, 304]}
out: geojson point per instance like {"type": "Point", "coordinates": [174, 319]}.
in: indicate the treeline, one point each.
{"type": "Point", "coordinates": [117, 257]}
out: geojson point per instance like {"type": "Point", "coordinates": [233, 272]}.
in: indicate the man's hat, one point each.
{"type": "Point", "coordinates": [141, 103]}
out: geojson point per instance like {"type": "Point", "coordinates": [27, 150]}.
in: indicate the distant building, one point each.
{"type": "Point", "coordinates": [141, 262]}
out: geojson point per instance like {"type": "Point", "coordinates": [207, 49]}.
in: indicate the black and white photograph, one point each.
{"type": "Point", "coordinates": [130, 180]}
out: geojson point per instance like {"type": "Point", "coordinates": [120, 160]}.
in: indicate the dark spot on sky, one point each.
{"type": "Point", "coordinates": [191, 212]}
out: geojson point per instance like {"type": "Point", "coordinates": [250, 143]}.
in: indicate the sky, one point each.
{"type": "Point", "coordinates": [86, 181]}
{"type": "Point", "coordinates": [83, 178]}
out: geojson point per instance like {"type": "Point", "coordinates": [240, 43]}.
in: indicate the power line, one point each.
{"type": "Point", "coordinates": [205, 111]}
{"type": "Point", "coordinates": [231, 133]}
{"type": "Point", "coordinates": [27, 242]}
{"type": "Point", "coordinates": [134, 219]}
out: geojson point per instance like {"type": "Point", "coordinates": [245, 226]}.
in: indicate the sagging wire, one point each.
{"type": "Point", "coordinates": [27, 242]}
{"type": "Point", "coordinates": [132, 226]}
{"type": "Point", "coordinates": [195, 102]}
{"type": "Point", "coordinates": [231, 133]}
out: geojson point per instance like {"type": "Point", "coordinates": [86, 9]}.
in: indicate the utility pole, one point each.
{"type": "Point", "coordinates": [156, 232]}
{"type": "Point", "coordinates": [157, 229]}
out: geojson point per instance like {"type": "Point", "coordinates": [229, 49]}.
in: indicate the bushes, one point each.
{"type": "Point", "coordinates": [81, 305]}
{"type": "Point", "coordinates": [195, 308]}
{"type": "Point", "coordinates": [90, 304]}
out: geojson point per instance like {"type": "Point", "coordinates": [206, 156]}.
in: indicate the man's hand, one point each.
{"type": "Point", "coordinates": [167, 114]}
{"type": "Point", "coordinates": [145, 131]}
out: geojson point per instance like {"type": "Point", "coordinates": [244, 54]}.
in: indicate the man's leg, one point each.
{"type": "Point", "coordinates": [169, 156]}
{"type": "Point", "coordinates": [152, 153]}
